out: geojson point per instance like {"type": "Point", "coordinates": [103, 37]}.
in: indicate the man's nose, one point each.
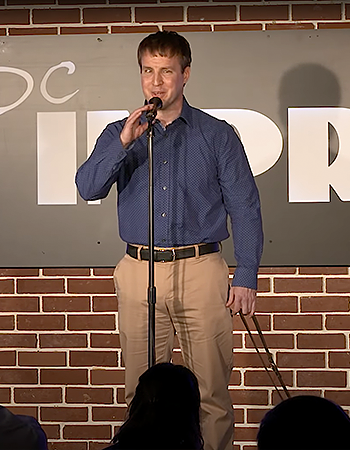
{"type": "Point", "coordinates": [158, 79]}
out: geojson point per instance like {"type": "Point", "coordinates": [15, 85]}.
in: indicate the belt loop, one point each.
{"type": "Point", "coordinates": [220, 246]}
{"type": "Point", "coordinates": [196, 250]}
{"type": "Point", "coordinates": [139, 248]}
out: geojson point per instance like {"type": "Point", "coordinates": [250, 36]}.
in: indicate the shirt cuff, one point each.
{"type": "Point", "coordinates": [245, 277]}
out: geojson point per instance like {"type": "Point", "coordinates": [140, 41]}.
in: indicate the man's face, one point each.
{"type": "Point", "coordinates": [162, 77]}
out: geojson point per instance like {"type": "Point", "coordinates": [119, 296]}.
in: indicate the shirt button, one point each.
{"type": "Point", "coordinates": [163, 214]}
{"type": "Point", "coordinates": [165, 162]}
{"type": "Point", "coordinates": [163, 240]}
{"type": "Point", "coordinates": [164, 188]}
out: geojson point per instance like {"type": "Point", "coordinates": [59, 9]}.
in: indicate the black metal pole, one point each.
{"type": "Point", "coordinates": [151, 286]}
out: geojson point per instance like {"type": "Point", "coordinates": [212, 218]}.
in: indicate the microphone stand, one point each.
{"type": "Point", "coordinates": [151, 287]}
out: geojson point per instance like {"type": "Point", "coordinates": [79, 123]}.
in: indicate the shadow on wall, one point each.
{"type": "Point", "coordinates": [310, 85]}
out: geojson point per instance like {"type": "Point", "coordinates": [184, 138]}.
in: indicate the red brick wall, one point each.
{"type": "Point", "coordinates": [60, 358]}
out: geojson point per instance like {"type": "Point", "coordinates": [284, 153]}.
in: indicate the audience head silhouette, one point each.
{"type": "Point", "coordinates": [305, 423]}
{"type": "Point", "coordinates": [164, 413]}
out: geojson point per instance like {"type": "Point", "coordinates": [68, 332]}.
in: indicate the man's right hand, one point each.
{"type": "Point", "coordinates": [133, 128]}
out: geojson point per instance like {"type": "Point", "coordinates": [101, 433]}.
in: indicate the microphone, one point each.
{"type": "Point", "coordinates": [157, 104]}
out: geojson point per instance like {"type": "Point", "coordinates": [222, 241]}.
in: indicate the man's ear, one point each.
{"type": "Point", "coordinates": [187, 72]}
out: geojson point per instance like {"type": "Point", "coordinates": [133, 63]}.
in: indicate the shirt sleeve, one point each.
{"type": "Point", "coordinates": [99, 172]}
{"type": "Point", "coordinates": [242, 203]}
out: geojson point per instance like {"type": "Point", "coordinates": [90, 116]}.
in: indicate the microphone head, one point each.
{"type": "Point", "coordinates": [157, 102]}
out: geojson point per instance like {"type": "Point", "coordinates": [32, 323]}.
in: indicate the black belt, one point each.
{"type": "Point", "coordinates": [171, 254]}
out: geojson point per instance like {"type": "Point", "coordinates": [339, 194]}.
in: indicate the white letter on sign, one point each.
{"type": "Point", "coordinates": [310, 175]}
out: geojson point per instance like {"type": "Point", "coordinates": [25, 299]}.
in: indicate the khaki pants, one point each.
{"type": "Point", "coordinates": [190, 299]}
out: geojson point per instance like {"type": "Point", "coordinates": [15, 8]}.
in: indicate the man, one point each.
{"type": "Point", "coordinates": [201, 175]}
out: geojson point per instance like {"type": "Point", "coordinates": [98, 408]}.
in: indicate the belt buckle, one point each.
{"type": "Point", "coordinates": [166, 250]}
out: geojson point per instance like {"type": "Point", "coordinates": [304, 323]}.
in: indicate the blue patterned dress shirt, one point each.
{"type": "Point", "coordinates": [201, 175]}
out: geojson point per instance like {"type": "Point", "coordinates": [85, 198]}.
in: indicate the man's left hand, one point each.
{"type": "Point", "coordinates": [242, 298]}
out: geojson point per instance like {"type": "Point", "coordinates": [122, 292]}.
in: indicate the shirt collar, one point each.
{"type": "Point", "coordinates": [185, 115]}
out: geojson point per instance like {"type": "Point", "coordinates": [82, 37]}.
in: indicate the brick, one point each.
{"type": "Point", "coordinates": [105, 340]}
{"type": "Point", "coordinates": [7, 286]}
{"type": "Point", "coordinates": [256, 415]}
{"type": "Point", "coordinates": [89, 395]}
{"type": "Point", "coordinates": [323, 270]}
{"type": "Point", "coordinates": [301, 359]}
{"type": "Point", "coordinates": [87, 432]}
{"type": "Point", "coordinates": [246, 433]}
{"type": "Point", "coordinates": [7, 322]}
{"type": "Point", "coordinates": [5, 395]}
{"type": "Point", "coordinates": [135, 29]}
{"type": "Point", "coordinates": [42, 359]}
{"type": "Point", "coordinates": [81, 2]}
{"type": "Point", "coordinates": [290, 26]}
{"type": "Point", "coordinates": [64, 414]}
{"type": "Point", "coordinates": [7, 358]}
{"type": "Point", "coordinates": [62, 304]}
{"type": "Point", "coordinates": [108, 413]}
{"type": "Point", "coordinates": [316, 11]}
{"type": "Point", "coordinates": [277, 304]}
{"type": "Point", "coordinates": [14, 17]}
{"type": "Point", "coordinates": [91, 286]}
{"type": "Point", "coordinates": [18, 376]}
{"type": "Point", "coordinates": [2, 32]}
{"type": "Point", "coordinates": [273, 340]}
{"type": "Point", "coordinates": [40, 286]}
{"type": "Point", "coordinates": [321, 341]}
{"type": "Point", "coordinates": [56, 15]}
{"type": "Point", "coordinates": [251, 359]}
{"type": "Point", "coordinates": [40, 322]}
{"type": "Point", "coordinates": [298, 285]}
{"type": "Point", "coordinates": [64, 445]}
{"type": "Point", "coordinates": [33, 31]}
{"type": "Point", "coordinates": [266, 12]}
{"type": "Point", "coordinates": [51, 431]}
{"type": "Point", "coordinates": [264, 285]}
{"type": "Point", "coordinates": [105, 304]}
{"type": "Point", "coordinates": [91, 358]}
{"type": "Point", "coordinates": [63, 376]}
{"type": "Point", "coordinates": [91, 322]}
{"type": "Point", "coordinates": [104, 271]}
{"type": "Point", "coordinates": [106, 15]}
{"type": "Point", "coordinates": [338, 322]}
{"type": "Point", "coordinates": [121, 395]}
{"type": "Point", "coordinates": [25, 410]}
{"type": "Point", "coordinates": [297, 322]}
{"type": "Point", "coordinates": [159, 14]}
{"type": "Point", "coordinates": [277, 270]}
{"type": "Point", "coordinates": [293, 393]}
{"type": "Point", "coordinates": [18, 272]}
{"type": "Point", "coordinates": [321, 378]}
{"type": "Point", "coordinates": [19, 304]}
{"type": "Point", "coordinates": [84, 30]}
{"type": "Point", "coordinates": [239, 27]}
{"type": "Point", "coordinates": [31, 2]}
{"type": "Point", "coordinates": [238, 415]}
{"type": "Point", "coordinates": [18, 340]}
{"type": "Point", "coordinates": [237, 341]}
{"type": "Point", "coordinates": [264, 323]}
{"type": "Point", "coordinates": [128, 2]}
{"type": "Point", "coordinates": [106, 377]}
{"type": "Point", "coordinates": [333, 25]}
{"type": "Point", "coordinates": [211, 13]}
{"type": "Point", "coordinates": [261, 378]}
{"type": "Point", "coordinates": [339, 397]}
{"type": "Point", "coordinates": [66, 272]}
{"type": "Point", "coordinates": [186, 28]}
{"type": "Point", "coordinates": [339, 360]}
{"type": "Point", "coordinates": [38, 395]}
{"type": "Point", "coordinates": [63, 340]}
{"type": "Point", "coordinates": [235, 378]}
{"type": "Point", "coordinates": [249, 397]}
{"type": "Point", "coordinates": [324, 304]}
{"type": "Point", "coordinates": [335, 285]}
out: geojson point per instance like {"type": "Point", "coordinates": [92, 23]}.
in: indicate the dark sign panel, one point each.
{"type": "Point", "coordinates": [286, 93]}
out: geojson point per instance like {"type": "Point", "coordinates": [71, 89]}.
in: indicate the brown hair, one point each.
{"type": "Point", "coordinates": [166, 43]}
